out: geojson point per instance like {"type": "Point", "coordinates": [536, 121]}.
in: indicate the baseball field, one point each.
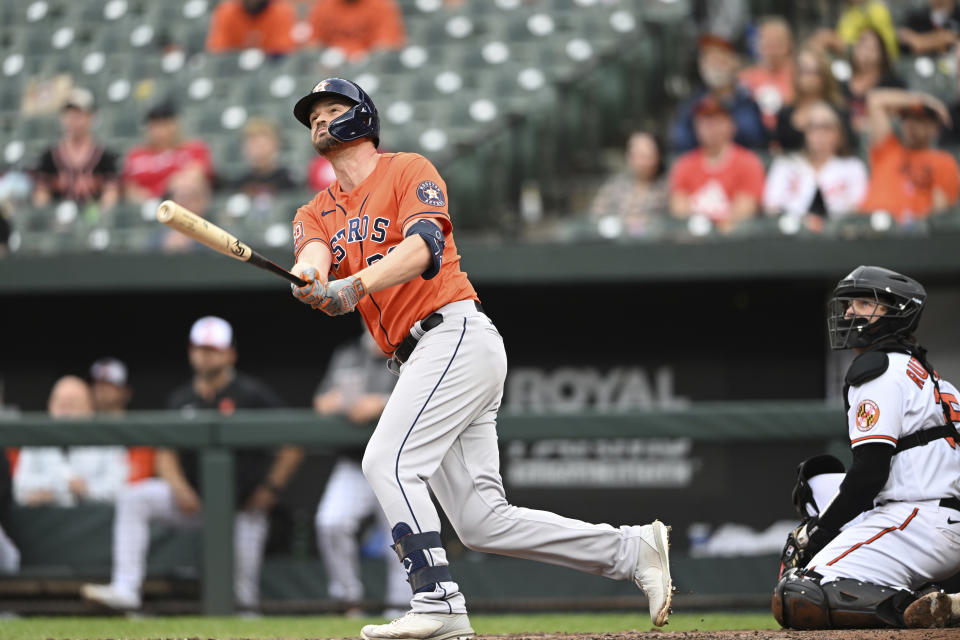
{"type": "Point", "coordinates": [570, 626]}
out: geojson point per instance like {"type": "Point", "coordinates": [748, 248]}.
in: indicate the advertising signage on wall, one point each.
{"type": "Point", "coordinates": [573, 389]}
{"type": "Point", "coordinates": [602, 463]}
{"type": "Point", "coordinates": [740, 488]}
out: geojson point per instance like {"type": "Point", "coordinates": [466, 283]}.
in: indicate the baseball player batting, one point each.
{"type": "Point", "coordinates": [379, 240]}
{"type": "Point", "coordinates": [869, 553]}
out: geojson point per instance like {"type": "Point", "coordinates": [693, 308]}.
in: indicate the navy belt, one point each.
{"type": "Point", "coordinates": [432, 321]}
{"type": "Point", "coordinates": [950, 503]}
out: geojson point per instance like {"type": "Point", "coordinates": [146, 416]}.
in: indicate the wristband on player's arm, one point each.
{"type": "Point", "coordinates": [433, 236]}
{"type": "Point", "coordinates": [867, 475]}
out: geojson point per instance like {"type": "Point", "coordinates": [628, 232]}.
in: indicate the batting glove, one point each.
{"type": "Point", "coordinates": [342, 296]}
{"type": "Point", "coordinates": [313, 292]}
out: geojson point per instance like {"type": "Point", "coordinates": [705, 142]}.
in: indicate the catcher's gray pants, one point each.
{"type": "Point", "coordinates": [439, 429]}
{"type": "Point", "coordinates": [152, 500]}
{"type": "Point", "coordinates": [348, 500]}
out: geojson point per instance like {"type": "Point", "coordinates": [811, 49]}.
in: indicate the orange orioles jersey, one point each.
{"type": "Point", "coordinates": [364, 225]}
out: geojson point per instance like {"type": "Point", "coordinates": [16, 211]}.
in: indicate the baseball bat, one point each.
{"type": "Point", "coordinates": [205, 232]}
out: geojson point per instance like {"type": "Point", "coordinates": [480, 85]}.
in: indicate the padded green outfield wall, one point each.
{"type": "Point", "coordinates": [706, 465]}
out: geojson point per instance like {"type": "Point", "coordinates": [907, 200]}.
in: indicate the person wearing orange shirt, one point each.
{"type": "Point", "coordinates": [357, 26]}
{"type": "Point", "coordinates": [260, 24]}
{"type": "Point", "coordinates": [908, 176]}
{"type": "Point", "coordinates": [379, 240]}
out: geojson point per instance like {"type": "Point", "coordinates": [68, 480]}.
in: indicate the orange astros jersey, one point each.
{"type": "Point", "coordinates": [362, 226]}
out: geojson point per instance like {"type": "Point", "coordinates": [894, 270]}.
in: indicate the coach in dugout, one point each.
{"type": "Point", "coordinates": [172, 497]}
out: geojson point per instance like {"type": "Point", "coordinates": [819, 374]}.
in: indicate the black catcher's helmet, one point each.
{"type": "Point", "coordinates": [902, 299]}
{"type": "Point", "coordinates": [361, 121]}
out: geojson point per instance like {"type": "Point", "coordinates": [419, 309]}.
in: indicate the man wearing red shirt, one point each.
{"type": "Point", "coordinates": [720, 180]}
{"type": "Point", "coordinates": [148, 168]}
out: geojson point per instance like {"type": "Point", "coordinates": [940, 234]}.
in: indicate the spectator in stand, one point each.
{"type": "Point", "coordinates": [264, 174]}
{"type": "Point", "coordinates": [870, 68]}
{"type": "Point", "coordinates": [639, 195]}
{"type": "Point", "coordinates": [814, 83]}
{"type": "Point", "coordinates": [77, 168]}
{"type": "Point", "coordinates": [261, 24]}
{"type": "Point", "coordinates": [718, 69]}
{"type": "Point", "coordinates": [931, 30]}
{"type": "Point", "coordinates": [908, 177]}
{"type": "Point", "coordinates": [191, 189]}
{"type": "Point", "coordinates": [54, 476]}
{"type": "Point", "coordinates": [111, 395]}
{"type": "Point", "coordinates": [720, 180]}
{"type": "Point", "coordinates": [357, 27]}
{"type": "Point", "coordinates": [823, 181]}
{"type": "Point", "coordinates": [148, 168]}
{"type": "Point", "coordinates": [770, 81]}
{"type": "Point", "coordinates": [857, 16]}
{"type": "Point", "coordinates": [356, 386]}
{"type": "Point", "coordinates": [172, 497]}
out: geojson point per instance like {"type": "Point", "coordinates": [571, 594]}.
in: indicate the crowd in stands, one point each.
{"type": "Point", "coordinates": [822, 120]}
{"type": "Point", "coordinates": [89, 173]}
{"type": "Point", "coordinates": [814, 133]}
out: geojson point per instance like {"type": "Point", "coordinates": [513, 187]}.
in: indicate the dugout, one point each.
{"type": "Point", "coordinates": [689, 395]}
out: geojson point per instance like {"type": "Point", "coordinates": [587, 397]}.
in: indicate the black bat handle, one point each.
{"type": "Point", "coordinates": [265, 263]}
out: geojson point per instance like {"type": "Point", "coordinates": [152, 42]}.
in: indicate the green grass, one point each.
{"type": "Point", "coordinates": [340, 627]}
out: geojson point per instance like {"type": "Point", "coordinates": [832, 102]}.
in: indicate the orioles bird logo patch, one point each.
{"type": "Point", "coordinates": [868, 413]}
{"type": "Point", "coordinates": [429, 193]}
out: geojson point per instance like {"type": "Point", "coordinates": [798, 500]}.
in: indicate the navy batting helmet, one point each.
{"type": "Point", "coordinates": [361, 121]}
{"type": "Point", "coordinates": [900, 297]}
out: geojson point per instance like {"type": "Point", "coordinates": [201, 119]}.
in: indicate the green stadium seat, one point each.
{"type": "Point", "coordinates": [10, 94]}
{"type": "Point", "coordinates": [123, 123]}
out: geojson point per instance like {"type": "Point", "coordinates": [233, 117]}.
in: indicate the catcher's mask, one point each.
{"type": "Point", "coordinates": [900, 298]}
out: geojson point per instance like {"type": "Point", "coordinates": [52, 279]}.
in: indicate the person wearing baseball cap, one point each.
{"type": "Point", "coordinates": [173, 495]}
{"type": "Point", "coordinates": [111, 393]}
{"type": "Point", "coordinates": [111, 390]}
{"type": "Point", "coordinates": [77, 168]}
{"type": "Point", "coordinates": [720, 180]}
{"type": "Point", "coordinates": [910, 178]}
{"type": "Point", "coordinates": [718, 64]}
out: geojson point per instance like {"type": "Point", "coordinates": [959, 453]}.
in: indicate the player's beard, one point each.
{"type": "Point", "coordinates": [326, 143]}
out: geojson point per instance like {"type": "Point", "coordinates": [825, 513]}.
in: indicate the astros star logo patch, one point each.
{"type": "Point", "coordinates": [297, 232]}
{"type": "Point", "coordinates": [868, 413]}
{"type": "Point", "coordinates": [430, 193]}
{"type": "Point", "coordinates": [321, 86]}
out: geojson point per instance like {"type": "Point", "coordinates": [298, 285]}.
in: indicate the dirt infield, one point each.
{"type": "Point", "coordinates": [868, 634]}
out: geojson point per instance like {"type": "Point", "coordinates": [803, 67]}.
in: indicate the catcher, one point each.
{"type": "Point", "coordinates": [869, 551]}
